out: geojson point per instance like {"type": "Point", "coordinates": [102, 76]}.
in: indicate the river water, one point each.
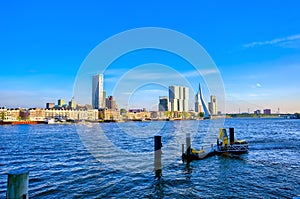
{"type": "Point", "coordinates": [116, 160]}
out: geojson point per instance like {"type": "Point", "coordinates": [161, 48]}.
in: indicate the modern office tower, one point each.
{"type": "Point", "coordinates": [111, 103]}
{"type": "Point", "coordinates": [61, 102]}
{"type": "Point", "coordinates": [72, 104]}
{"type": "Point", "coordinates": [199, 102]}
{"type": "Point", "coordinates": [163, 103]}
{"type": "Point", "coordinates": [212, 105]}
{"type": "Point", "coordinates": [50, 105]}
{"type": "Point", "coordinates": [98, 95]}
{"type": "Point", "coordinates": [179, 98]}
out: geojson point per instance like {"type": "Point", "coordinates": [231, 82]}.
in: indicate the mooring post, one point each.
{"type": "Point", "coordinates": [157, 156]}
{"type": "Point", "coordinates": [182, 149]}
{"type": "Point", "coordinates": [188, 145]}
{"type": "Point", "coordinates": [17, 184]}
{"type": "Point", "coordinates": [231, 134]}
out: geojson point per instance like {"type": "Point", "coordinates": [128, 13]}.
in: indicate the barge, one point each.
{"type": "Point", "coordinates": [223, 147]}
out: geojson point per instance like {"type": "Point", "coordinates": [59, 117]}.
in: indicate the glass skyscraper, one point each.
{"type": "Point", "coordinates": [98, 96]}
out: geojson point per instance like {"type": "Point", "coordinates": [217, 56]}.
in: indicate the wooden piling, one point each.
{"type": "Point", "coordinates": [157, 156]}
{"type": "Point", "coordinates": [188, 145]}
{"type": "Point", "coordinates": [231, 135]}
{"type": "Point", "coordinates": [182, 149]}
{"type": "Point", "coordinates": [17, 184]}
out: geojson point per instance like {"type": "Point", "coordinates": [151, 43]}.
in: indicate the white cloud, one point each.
{"type": "Point", "coordinates": [277, 41]}
{"type": "Point", "coordinates": [258, 85]}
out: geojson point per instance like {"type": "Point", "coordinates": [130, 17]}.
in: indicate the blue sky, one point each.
{"type": "Point", "coordinates": [254, 44]}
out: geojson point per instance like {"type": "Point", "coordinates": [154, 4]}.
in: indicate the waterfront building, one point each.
{"type": "Point", "coordinates": [199, 99]}
{"type": "Point", "coordinates": [193, 115]}
{"type": "Point", "coordinates": [24, 114]}
{"type": "Point", "coordinates": [3, 111]}
{"type": "Point", "coordinates": [257, 112]}
{"type": "Point", "coordinates": [40, 114]}
{"type": "Point", "coordinates": [136, 110]}
{"type": "Point", "coordinates": [111, 103]}
{"type": "Point", "coordinates": [158, 115]}
{"type": "Point", "coordinates": [36, 114]}
{"type": "Point", "coordinates": [109, 114]}
{"type": "Point", "coordinates": [163, 103]}
{"type": "Point", "coordinates": [138, 114]}
{"type": "Point", "coordinates": [179, 98]}
{"type": "Point", "coordinates": [10, 114]}
{"type": "Point", "coordinates": [81, 114]}
{"type": "Point", "coordinates": [267, 111]}
{"type": "Point", "coordinates": [50, 105]}
{"type": "Point", "coordinates": [98, 94]}
{"type": "Point", "coordinates": [212, 105]}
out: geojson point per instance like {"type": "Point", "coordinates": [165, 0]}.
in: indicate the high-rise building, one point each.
{"type": "Point", "coordinates": [212, 105]}
{"type": "Point", "coordinates": [72, 104]}
{"type": "Point", "coordinates": [98, 95]}
{"type": "Point", "coordinates": [111, 103]}
{"type": "Point", "coordinates": [163, 103]}
{"type": "Point", "coordinates": [50, 105]}
{"type": "Point", "coordinates": [179, 98]}
{"type": "Point", "coordinates": [200, 103]}
{"type": "Point", "coordinates": [61, 102]}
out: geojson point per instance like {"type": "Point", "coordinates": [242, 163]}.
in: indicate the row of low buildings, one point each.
{"type": "Point", "coordinates": [42, 114]}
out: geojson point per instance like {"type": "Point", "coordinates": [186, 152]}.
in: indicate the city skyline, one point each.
{"type": "Point", "coordinates": [256, 47]}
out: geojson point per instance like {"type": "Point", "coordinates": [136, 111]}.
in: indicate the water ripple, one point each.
{"type": "Point", "coordinates": [61, 167]}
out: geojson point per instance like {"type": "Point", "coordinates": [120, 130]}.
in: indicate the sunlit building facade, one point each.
{"type": "Point", "coordinates": [212, 105]}
{"type": "Point", "coordinates": [179, 98]}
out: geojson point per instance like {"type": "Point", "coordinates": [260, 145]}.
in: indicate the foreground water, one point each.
{"type": "Point", "coordinates": [116, 160]}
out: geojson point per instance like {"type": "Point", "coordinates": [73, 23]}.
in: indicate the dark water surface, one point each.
{"type": "Point", "coordinates": [63, 163]}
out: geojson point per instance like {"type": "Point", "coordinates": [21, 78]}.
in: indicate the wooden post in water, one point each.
{"type": "Point", "coordinates": [231, 134]}
{"type": "Point", "coordinates": [182, 149]}
{"type": "Point", "coordinates": [188, 145]}
{"type": "Point", "coordinates": [17, 184]}
{"type": "Point", "coordinates": [157, 156]}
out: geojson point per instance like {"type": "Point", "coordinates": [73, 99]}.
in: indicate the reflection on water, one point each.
{"type": "Point", "coordinates": [61, 166]}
